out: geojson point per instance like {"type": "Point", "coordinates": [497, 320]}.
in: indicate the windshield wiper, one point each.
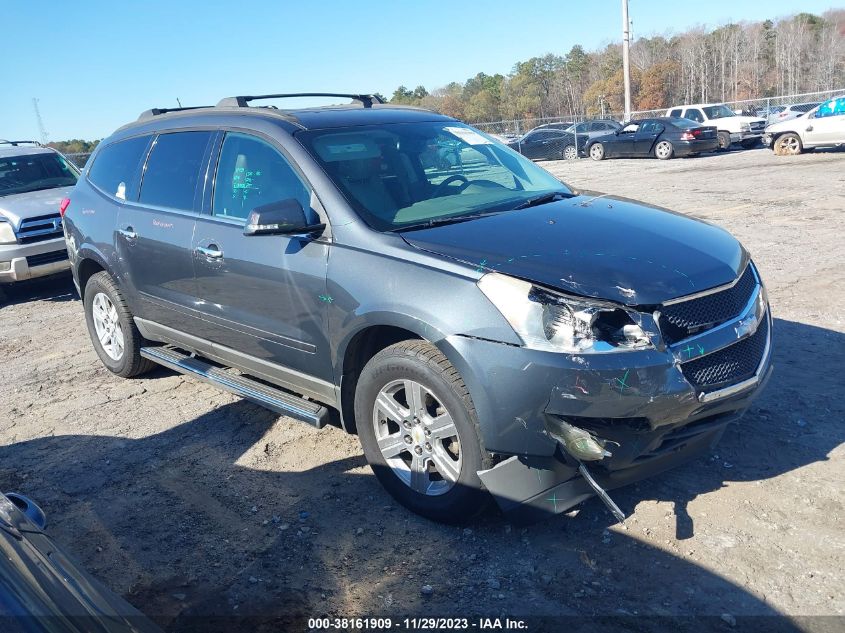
{"type": "Point", "coordinates": [441, 221]}
{"type": "Point", "coordinates": [545, 198]}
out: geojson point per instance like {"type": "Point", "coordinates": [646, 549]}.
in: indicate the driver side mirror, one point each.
{"type": "Point", "coordinates": [285, 217]}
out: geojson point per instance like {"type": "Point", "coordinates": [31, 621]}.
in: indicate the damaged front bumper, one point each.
{"type": "Point", "coordinates": [649, 408]}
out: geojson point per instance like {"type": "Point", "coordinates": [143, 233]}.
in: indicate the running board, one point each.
{"type": "Point", "coordinates": [277, 400]}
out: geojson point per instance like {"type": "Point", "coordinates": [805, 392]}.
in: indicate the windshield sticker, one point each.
{"type": "Point", "coordinates": [468, 136]}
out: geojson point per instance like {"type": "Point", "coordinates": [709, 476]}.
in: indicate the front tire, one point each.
{"type": "Point", "coordinates": [419, 432]}
{"type": "Point", "coordinates": [597, 151]}
{"type": "Point", "coordinates": [114, 335]}
{"type": "Point", "coordinates": [788, 145]}
{"type": "Point", "coordinates": [664, 150]}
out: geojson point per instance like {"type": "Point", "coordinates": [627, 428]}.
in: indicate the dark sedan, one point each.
{"type": "Point", "coordinates": [662, 138]}
{"type": "Point", "coordinates": [548, 143]}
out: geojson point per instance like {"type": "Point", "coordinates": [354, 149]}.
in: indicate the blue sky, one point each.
{"type": "Point", "coordinates": [95, 64]}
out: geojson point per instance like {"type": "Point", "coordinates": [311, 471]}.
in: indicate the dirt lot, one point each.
{"type": "Point", "coordinates": [190, 502]}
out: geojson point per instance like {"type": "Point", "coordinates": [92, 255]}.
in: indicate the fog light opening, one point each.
{"type": "Point", "coordinates": [581, 444]}
{"type": "Point", "coordinates": [5, 267]}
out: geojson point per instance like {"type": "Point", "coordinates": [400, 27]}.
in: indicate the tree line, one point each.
{"type": "Point", "coordinates": [796, 54]}
{"type": "Point", "coordinates": [74, 146]}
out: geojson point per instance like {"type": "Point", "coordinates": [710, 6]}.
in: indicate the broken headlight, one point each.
{"type": "Point", "coordinates": [551, 321]}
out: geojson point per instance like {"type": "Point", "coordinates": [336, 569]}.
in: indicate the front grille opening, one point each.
{"type": "Point", "coordinates": [730, 365]}
{"type": "Point", "coordinates": [46, 258]}
{"type": "Point", "coordinates": [682, 320]}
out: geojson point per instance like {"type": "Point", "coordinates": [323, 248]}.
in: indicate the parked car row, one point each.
{"type": "Point", "coordinates": [688, 131]}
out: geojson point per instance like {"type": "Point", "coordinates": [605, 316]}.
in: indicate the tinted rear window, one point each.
{"type": "Point", "coordinates": [118, 163]}
{"type": "Point", "coordinates": [173, 169]}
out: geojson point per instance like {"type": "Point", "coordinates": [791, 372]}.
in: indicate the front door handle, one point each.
{"type": "Point", "coordinates": [211, 251]}
{"type": "Point", "coordinates": [129, 233]}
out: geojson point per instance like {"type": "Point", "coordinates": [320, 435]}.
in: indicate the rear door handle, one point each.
{"type": "Point", "coordinates": [211, 251]}
{"type": "Point", "coordinates": [129, 233]}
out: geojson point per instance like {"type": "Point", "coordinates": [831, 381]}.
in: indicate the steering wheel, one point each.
{"type": "Point", "coordinates": [441, 188]}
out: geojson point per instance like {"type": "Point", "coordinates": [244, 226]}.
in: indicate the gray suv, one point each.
{"type": "Point", "coordinates": [33, 182]}
{"type": "Point", "coordinates": [486, 330]}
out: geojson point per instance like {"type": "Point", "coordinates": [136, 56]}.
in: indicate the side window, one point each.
{"type": "Point", "coordinates": [834, 107]}
{"type": "Point", "coordinates": [117, 164]}
{"type": "Point", "coordinates": [173, 170]}
{"type": "Point", "coordinates": [252, 173]}
{"type": "Point", "coordinates": [694, 114]}
{"type": "Point", "coordinates": [647, 128]}
{"type": "Point", "coordinates": [675, 113]}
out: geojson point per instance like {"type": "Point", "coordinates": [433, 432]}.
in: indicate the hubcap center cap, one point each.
{"type": "Point", "coordinates": [418, 435]}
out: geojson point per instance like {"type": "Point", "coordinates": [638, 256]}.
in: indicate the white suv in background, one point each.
{"type": "Point", "coordinates": [823, 126]}
{"type": "Point", "coordinates": [732, 127]}
{"type": "Point", "coordinates": [33, 182]}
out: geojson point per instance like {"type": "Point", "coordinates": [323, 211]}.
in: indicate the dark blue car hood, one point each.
{"type": "Point", "coordinates": [607, 247]}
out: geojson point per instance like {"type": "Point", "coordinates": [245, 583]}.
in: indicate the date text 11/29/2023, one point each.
{"type": "Point", "coordinates": [415, 624]}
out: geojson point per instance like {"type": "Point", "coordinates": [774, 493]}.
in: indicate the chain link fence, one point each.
{"type": "Point", "coordinates": [561, 143]}
{"type": "Point", "coordinates": [79, 159]}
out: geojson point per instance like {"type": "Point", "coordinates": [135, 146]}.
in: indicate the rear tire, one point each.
{"type": "Point", "coordinates": [724, 140]}
{"type": "Point", "coordinates": [114, 335]}
{"type": "Point", "coordinates": [570, 152]}
{"type": "Point", "coordinates": [425, 448]}
{"type": "Point", "coordinates": [597, 151]}
{"type": "Point", "coordinates": [664, 150]}
{"type": "Point", "coordinates": [788, 144]}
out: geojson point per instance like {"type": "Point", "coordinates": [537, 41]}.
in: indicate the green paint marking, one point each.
{"type": "Point", "coordinates": [700, 349]}
{"type": "Point", "coordinates": [326, 298]}
{"type": "Point", "coordinates": [689, 349]}
{"type": "Point", "coordinates": [481, 265]}
{"type": "Point", "coordinates": [623, 382]}
{"type": "Point", "coordinates": [553, 499]}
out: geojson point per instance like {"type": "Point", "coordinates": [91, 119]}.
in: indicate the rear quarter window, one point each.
{"type": "Point", "coordinates": [119, 163]}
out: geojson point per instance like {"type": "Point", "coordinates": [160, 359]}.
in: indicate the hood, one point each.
{"type": "Point", "coordinates": [787, 125]}
{"type": "Point", "coordinates": [607, 247]}
{"type": "Point", "coordinates": [32, 204]}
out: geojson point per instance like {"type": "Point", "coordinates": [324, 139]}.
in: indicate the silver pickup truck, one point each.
{"type": "Point", "coordinates": [33, 182]}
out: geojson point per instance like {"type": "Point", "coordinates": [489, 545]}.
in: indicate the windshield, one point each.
{"type": "Point", "coordinates": [405, 174]}
{"type": "Point", "coordinates": [31, 172]}
{"type": "Point", "coordinates": [718, 111]}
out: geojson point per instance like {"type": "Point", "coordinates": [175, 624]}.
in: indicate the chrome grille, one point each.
{"type": "Point", "coordinates": [686, 318]}
{"type": "Point", "coordinates": [40, 229]}
{"type": "Point", "coordinates": [731, 364]}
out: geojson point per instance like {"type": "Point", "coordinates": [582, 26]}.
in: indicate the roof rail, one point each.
{"type": "Point", "coordinates": [16, 143]}
{"type": "Point", "coordinates": [243, 101]}
{"type": "Point", "coordinates": [148, 114]}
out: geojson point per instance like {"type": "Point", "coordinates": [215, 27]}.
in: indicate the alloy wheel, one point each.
{"type": "Point", "coordinates": [417, 437]}
{"type": "Point", "coordinates": [663, 150]}
{"type": "Point", "coordinates": [107, 326]}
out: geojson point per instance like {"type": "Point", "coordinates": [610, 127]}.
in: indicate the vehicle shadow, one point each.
{"type": "Point", "coordinates": [53, 288]}
{"type": "Point", "coordinates": [197, 526]}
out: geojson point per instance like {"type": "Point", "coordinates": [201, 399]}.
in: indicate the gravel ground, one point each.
{"type": "Point", "coordinates": [188, 501]}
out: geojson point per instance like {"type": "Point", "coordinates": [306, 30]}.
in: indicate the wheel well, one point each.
{"type": "Point", "coordinates": [87, 268]}
{"type": "Point", "coordinates": [363, 346]}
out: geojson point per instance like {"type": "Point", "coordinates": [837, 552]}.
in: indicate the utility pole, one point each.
{"type": "Point", "coordinates": [626, 64]}
{"type": "Point", "coordinates": [44, 136]}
